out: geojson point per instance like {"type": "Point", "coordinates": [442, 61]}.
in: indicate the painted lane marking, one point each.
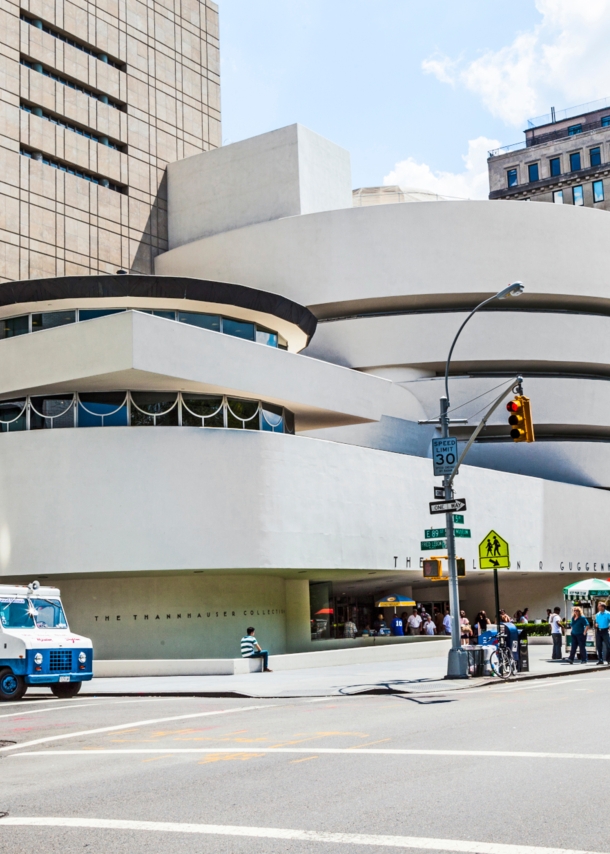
{"type": "Point", "coordinates": [131, 725]}
{"type": "Point", "coordinates": [350, 751]}
{"type": "Point", "coordinates": [92, 702]}
{"type": "Point", "coordinates": [56, 709]}
{"type": "Point", "coordinates": [427, 843]}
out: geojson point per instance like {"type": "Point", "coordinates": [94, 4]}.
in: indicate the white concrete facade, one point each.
{"type": "Point", "coordinates": [231, 525]}
{"type": "Point", "coordinates": [288, 172]}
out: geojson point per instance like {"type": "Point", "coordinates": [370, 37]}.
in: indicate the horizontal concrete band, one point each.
{"type": "Point", "coordinates": [412, 648]}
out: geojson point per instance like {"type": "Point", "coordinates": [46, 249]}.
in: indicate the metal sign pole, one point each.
{"type": "Point", "coordinates": [497, 598]}
{"type": "Point", "coordinates": [457, 665]}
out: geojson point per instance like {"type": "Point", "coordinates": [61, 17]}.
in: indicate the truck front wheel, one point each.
{"type": "Point", "coordinates": [12, 687]}
{"type": "Point", "coordinates": [65, 690]}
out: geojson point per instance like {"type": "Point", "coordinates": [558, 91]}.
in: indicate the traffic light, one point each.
{"type": "Point", "coordinates": [461, 567]}
{"type": "Point", "coordinates": [432, 569]}
{"type": "Point", "coordinates": [520, 419]}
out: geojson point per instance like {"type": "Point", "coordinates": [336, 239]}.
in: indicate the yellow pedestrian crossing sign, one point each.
{"type": "Point", "coordinates": [493, 552]}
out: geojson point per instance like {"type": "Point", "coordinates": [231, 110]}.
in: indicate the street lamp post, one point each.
{"type": "Point", "coordinates": [457, 665]}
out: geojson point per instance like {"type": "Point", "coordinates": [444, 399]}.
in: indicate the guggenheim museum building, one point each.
{"type": "Point", "coordinates": [236, 437]}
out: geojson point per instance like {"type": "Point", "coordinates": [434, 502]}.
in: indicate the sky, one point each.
{"type": "Point", "coordinates": [417, 91]}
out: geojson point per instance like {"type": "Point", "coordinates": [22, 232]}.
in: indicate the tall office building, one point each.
{"type": "Point", "coordinates": [96, 98]}
{"type": "Point", "coordinates": [564, 158]}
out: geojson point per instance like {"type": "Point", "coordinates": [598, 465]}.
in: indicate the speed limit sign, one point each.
{"type": "Point", "coordinates": [444, 455]}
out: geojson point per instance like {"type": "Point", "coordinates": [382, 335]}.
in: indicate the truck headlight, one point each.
{"type": "Point", "coordinates": [38, 658]}
{"type": "Point", "coordinates": [82, 657]}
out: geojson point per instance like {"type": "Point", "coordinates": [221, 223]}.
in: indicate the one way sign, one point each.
{"type": "Point", "coordinates": [448, 506]}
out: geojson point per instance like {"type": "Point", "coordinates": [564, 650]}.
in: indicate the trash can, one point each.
{"type": "Point", "coordinates": [476, 660]}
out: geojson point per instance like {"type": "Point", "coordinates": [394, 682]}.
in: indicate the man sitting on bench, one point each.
{"type": "Point", "coordinates": [250, 648]}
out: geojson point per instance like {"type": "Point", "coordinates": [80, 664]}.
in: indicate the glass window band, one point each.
{"type": "Point", "coordinates": [24, 323]}
{"type": "Point", "coordinates": [142, 409]}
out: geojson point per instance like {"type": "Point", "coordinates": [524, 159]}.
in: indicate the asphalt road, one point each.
{"type": "Point", "coordinates": [505, 769]}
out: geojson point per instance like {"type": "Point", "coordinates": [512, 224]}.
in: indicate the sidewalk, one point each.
{"type": "Point", "coordinates": [417, 676]}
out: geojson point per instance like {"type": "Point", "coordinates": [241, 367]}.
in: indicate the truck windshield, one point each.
{"type": "Point", "coordinates": [22, 613]}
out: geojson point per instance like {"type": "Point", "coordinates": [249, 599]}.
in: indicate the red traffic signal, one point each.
{"type": "Point", "coordinates": [520, 419]}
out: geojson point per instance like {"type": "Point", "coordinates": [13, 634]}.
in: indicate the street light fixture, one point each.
{"type": "Point", "coordinates": [457, 666]}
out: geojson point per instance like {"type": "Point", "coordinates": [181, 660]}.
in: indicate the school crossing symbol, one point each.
{"type": "Point", "coordinates": [493, 552]}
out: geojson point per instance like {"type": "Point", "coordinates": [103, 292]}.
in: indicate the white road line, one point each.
{"type": "Point", "coordinates": [96, 705]}
{"type": "Point", "coordinates": [350, 751]}
{"type": "Point", "coordinates": [459, 845]}
{"type": "Point", "coordinates": [131, 725]}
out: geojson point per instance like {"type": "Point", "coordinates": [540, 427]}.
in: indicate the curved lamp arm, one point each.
{"type": "Point", "coordinates": [513, 290]}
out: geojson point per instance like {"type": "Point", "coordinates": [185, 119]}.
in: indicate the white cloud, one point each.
{"type": "Point", "coordinates": [565, 56]}
{"type": "Point", "coordinates": [442, 67]}
{"type": "Point", "coordinates": [472, 183]}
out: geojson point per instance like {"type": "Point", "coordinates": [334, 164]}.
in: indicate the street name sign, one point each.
{"type": "Point", "coordinates": [435, 533]}
{"type": "Point", "coordinates": [457, 518]}
{"type": "Point", "coordinates": [462, 532]}
{"type": "Point", "coordinates": [493, 552]}
{"type": "Point", "coordinates": [432, 545]}
{"type": "Point", "coordinates": [444, 455]}
{"type": "Point", "coordinates": [448, 506]}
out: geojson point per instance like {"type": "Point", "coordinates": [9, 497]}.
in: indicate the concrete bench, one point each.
{"type": "Point", "coordinates": [176, 667]}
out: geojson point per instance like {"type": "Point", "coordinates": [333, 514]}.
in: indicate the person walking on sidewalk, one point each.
{"type": "Point", "coordinates": [250, 648]}
{"type": "Point", "coordinates": [555, 621]}
{"type": "Point", "coordinates": [602, 640]}
{"type": "Point", "coordinates": [447, 622]}
{"type": "Point", "coordinates": [579, 625]}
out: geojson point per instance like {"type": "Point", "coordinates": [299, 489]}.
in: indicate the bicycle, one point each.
{"type": "Point", "coordinates": [502, 662]}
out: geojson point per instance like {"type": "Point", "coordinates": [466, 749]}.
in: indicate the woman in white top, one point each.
{"type": "Point", "coordinates": [555, 621]}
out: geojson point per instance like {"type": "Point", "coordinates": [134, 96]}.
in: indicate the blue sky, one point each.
{"type": "Point", "coordinates": [416, 91]}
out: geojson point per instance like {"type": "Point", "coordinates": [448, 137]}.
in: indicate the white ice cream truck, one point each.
{"type": "Point", "coordinates": [36, 644]}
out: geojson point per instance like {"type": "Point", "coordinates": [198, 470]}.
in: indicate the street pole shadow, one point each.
{"type": "Point", "coordinates": [393, 688]}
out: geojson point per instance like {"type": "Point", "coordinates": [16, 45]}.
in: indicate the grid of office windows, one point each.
{"type": "Point", "coordinates": [595, 156]}
{"type": "Point", "coordinates": [511, 178]}
{"type": "Point", "coordinates": [103, 57]}
{"type": "Point", "coordinates": [142, 409]}
{"type": "Point", "coordinates": [10, 327]}
{"type": "Point", "coordinates": [533, 172]}
{"type": "Point", "coordinates": [558, 197]}
{"type": "Point", "coordinates": [65, 81]}
{"type": "Point", "coordinates": [579, 198]}
{"type": "Point", "coordinates": [43, 114]}
{"type": "Point", "coordinates": [575, 161]}
{"type": "Point", "coordinates": [72, 170]}
{"type": "Point", "coordinates": [555, 166]}
{"type": "Point", "coordinates": [598, 191]}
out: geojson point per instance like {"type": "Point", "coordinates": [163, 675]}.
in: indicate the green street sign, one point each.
{"type": "Point", "coordinates": [462, 532]}
{"type": "Point", "coordinates": [458, 518]}
{"type": "Point", "coordinates": [433, 545]}
{"type": "Point", "coordinates": [435, 533]}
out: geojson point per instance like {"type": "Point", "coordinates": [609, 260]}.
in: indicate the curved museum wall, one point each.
{"type": "Point", "coordinates": [390, 286]}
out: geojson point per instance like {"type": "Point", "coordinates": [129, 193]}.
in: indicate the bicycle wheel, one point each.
{"type": "Point", "coordinates": [502, 663]}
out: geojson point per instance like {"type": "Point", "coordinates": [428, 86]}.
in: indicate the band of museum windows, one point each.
{"type": "Point", "coordinates": [10, 327]}
{"type": "Point", "coordinates": [142, 409]}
